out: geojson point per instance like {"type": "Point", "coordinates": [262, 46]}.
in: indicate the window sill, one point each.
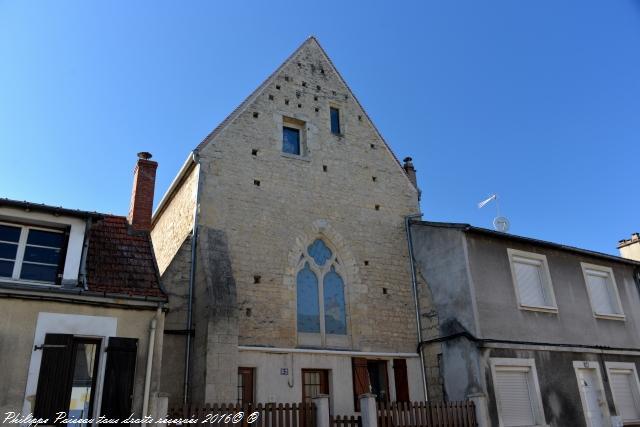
{"type": "Point", "coordinates": [619, 317]}
{"type": "Point", "coordinates": [28, 282]}
{"type": "Point", "coordinates": [551, 310]}
{"type": "Point", "coordinates": [295, 157]}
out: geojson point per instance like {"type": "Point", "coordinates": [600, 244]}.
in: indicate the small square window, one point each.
{"type": "Point", "coordinates": [603, 291]}
{"type": "Point", "coordinates": [532, 281]}
{"type": "Point", "coordinates": [335, 121]}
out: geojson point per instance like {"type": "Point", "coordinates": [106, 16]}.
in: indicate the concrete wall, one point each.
{"type": "Point", "coordinates": [272, 386]}
{"type": "Point", "coordinates": [262, 230]}
{"type": "Point", "coordinates": [574, 323]}
{"type": "Point", "coordinates": [18, 320]}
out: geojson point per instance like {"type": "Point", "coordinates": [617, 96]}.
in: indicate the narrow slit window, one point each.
{"type": "Point", "coordinates": [335, 121]}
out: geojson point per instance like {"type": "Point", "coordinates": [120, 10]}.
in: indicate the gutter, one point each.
{"type": "Point", "coordinates": [414, 285]}
{"type": "Point", "coordinates": [192, 276]}
{"type": "Point", "coordinates": [481, 341]}
{"type": "Point", "coordinates": [84, 298]}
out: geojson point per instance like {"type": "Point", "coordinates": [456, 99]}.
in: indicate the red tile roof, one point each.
{"type": "Point", "coordinates": [120, 260]}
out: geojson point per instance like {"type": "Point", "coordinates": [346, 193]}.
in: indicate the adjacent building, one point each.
{"type": "Point", "coordinates": [81, 308]}
{"type": "Point", "coordinates": [544, 333]}
{"type": "Point", "coordinates": [281, 244]}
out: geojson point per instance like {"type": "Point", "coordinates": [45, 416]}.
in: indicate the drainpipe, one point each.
{"type": "Point", "coordinates": [192, 276]}
{"type": "Point", "coordinates": [414, 284]}
{"type": "Point", "coordinates": [147, 377]}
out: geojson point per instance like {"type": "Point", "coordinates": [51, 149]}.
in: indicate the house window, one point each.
{"type": "Point", "coordinates": [321, 318]}
{"type": "Point", "coordinates": [291, 140]}
{"type": "Point", "coordinates": [602, 290]}
{"type": "Point", "coordinates": [67, 380]}
{"type": "Point", "coordinates": [335, 120]}
{"type": "Point", "coordinates": [517, 392]}
{"type": "Point", "coordinates": [31, 253]}
{"type": "Point", "coordinates": [532, 281]}
{"type": "Point", "coordinates": [623, 379]}
{"type": "Point", "coordinates": [293, 136]}
{"type": "Point", "coordinates": [371, 376]}
{"type": "Point", "coordinates": [314, 382]}
{"type": "Point", "coordinates": [245, 386]}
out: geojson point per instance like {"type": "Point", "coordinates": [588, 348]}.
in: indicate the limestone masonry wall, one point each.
{"type": "Point", "coordinates": [176, 222]}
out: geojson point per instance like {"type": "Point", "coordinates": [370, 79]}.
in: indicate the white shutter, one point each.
{"type": "Point", "coordinates": [530, 283]}
{"type": "Point", "coordinates": [625, 397]}
{"type": "Point", "coordinates": [600, 291]}
{"type": "Point", "coordinates": [514, 397]}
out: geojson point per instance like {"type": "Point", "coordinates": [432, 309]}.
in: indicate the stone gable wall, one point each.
{"type": "Point", "coordinates": [327, 192]}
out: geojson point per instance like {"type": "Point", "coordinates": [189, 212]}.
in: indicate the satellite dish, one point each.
{"type": "Point", "coordinates": [501, 223]}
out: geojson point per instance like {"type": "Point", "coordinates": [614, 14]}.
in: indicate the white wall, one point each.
{"type": "Point", "coordinates": [76, 234]}
{"type": "Point", "coordinates": [273, 386]}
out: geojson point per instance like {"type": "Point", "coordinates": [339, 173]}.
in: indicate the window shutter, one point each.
{"type": "Point", "coordinates": [626, 401]}
{"type": "Point", "coordinates": [599, 289]}
{"type": "Point", "coordinates": [361, 384]}
{"type": "Point", "coordinates": [400, 377]}
{"type": "Point", "coordinates": [119, 374]}
{"type": "Point", "coordinates": [54, 380]}
{"type": "Point", "coordinates": [530, 282]}
{"type": "Point", "coordinates": [514, 397]}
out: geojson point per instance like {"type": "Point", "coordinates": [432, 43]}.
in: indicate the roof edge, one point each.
{"type": "Point", "coordinates": [41, 207]}
{"type": "Point", "coordinates": [470, 228]}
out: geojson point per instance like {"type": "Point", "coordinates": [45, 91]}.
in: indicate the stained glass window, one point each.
{"type": "Point", "coordinates": [320, 296]}
{"type": "Point", "coordinates": [308, 305]}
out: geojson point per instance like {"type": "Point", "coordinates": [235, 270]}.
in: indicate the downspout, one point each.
{"type": "Point", "coordinates": [192, 276]}
{"type": "Point", "coordinates": [414, 284]}
{"type": "Point", "coordinates": [147, 377]}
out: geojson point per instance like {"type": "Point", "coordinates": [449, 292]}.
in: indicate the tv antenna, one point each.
{"type": "Point", "coordinates": [500, 223]}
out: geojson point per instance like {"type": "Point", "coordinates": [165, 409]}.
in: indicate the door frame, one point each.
{"type": "Point", "coordinates": [584, 364]}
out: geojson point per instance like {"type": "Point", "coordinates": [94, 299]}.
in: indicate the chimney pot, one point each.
{"type": "Point", "coordinates": [144, 181]}
{"type": "Point", "coordinates": [410, 170]}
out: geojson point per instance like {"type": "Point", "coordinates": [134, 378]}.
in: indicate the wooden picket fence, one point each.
{"type": "Point", "coordinates": [345, 421]}
{"type": "Point", "coordinates": [269, 414]}
{"type": "Point", "coordinates": [426, 414]}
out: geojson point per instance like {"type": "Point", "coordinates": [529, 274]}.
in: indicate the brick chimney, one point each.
{"type": "Point", "coordinates": [630, 248]}
{"type": "Point", "coordinates": [410, 170]}
{"type": "Point", "coordinates": [144, 182]}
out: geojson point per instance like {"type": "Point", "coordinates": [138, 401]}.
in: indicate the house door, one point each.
{"type": "Point", "coordinates": [593, 400]}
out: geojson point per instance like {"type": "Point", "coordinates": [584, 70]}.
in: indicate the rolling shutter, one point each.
{"type": "Point", "coordinates": [55, 377]}
{"type": "Point", "coordinates": [400, 377]}
{"type": "Point", "coordinates": [119, 375]}
{"type": "Point", "coordinates": [513, 394]}
{"type": "Point", "coordinates": [530, 282]}
{"type": "Point", "coordinates": [626, 399]}
{"type": "Point", "coordinates": [600, 291]}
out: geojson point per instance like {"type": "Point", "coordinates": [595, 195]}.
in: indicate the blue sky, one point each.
{"type": "Point", "coordinates": [538, 101]}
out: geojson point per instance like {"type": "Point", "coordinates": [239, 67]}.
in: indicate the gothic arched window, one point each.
{"type": "Point", "coordinates": [322, 315]}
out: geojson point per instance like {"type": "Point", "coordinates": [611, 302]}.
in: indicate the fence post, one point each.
{"type": "Point", "coordinates": [368, 410]}
{"type": "Point", "coordinates": [322, 410]}
{"type": "Point", "coordinates": [482, 411]}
